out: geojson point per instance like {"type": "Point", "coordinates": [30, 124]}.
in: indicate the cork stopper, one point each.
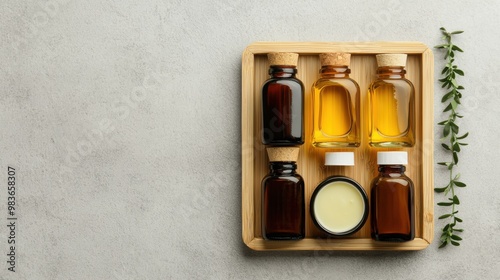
{"type": "Point", "coordinates": [335, 59]}
{"type": "Point", "coordinates": [282, 58]}
{"type": "Point", "coordinates": [391, 60]}
{"type": "Point", "coordinates": [283, 154]}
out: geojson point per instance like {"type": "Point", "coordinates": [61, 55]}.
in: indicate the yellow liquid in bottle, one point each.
{"type": "Point", "coordinates": [334, 118]}
{"type": "Point", "coordinates": [391, 113]}
{"type": "Point", "coordinates": [335, 111]}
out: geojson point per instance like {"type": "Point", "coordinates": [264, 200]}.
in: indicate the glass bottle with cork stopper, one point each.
{"type": "Point", "coordinates": [392, 199]}
{"type": "Point", "coordinates": [391, 104]}
{"type": "Point", "coordinates": [283, 102]}
{"type": "Point", "coordinates": [283, 196]}
{"type": "Point", "coordinates": [336, 104]}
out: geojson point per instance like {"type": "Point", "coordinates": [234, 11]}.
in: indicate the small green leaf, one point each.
{"type": "Point", "coordinates": [446, 147]}
{"type": "Point", "coordinates": [444, 216]}
{"type": "Point", "coordinates": [440, 190]}
{"type": "Point", "coordinates": [458, 219]}
{"type": "Point", "coordinates": [455, 157]}
{"type": "Point", "coordinates": [456, 32]}
{"type": "Point", "coordinates": [453, 104]}
{"type": "Point", "coordinates": [456, 48]}
{"type": "Point", "coordinates": [445, 203]}
{"type": "Point", "coordinates": [441, 46]}
{"type": "Point", "coordinates": [447, 96]}
{"type": "Point", "coordinates": [446, 130]}
{"type": "Point", "coordinates": [443, 244]}
{"type": "Point", "coordinates": [456, 237]}
{"type": "Point", "coordinates": [459, 72]}
{"type": "Point", "coordinates": [463, 136]}
{"type": "Point", "coordinates": [459, 184]}
{"type": "Point", "coordinates": [455, 200]}
{"type": "Point", "coordinates": [447, 108]}
{"type": "Point", "coordinates": [455, 243]}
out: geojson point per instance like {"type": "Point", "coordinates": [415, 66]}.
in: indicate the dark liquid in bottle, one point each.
{"type": "Point", "coordinates": [392, 209]}
{"type": "Point", "coordinates": [282, 108]}
{"type": "Point", "coordinates": [283, 214]}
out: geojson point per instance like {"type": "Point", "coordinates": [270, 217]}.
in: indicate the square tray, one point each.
{"type": "Point", "coordinates": [420, 71]}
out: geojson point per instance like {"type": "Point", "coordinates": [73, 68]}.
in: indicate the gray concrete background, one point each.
{"type": "Point", "coordinates": [122, 119]}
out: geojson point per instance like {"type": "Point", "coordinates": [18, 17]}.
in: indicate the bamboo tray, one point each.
{"type": "Point", "coordinates": [420, 70]}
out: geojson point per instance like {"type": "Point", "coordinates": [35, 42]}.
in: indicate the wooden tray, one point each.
{"type": "Point", "coordinates": [420, 70]}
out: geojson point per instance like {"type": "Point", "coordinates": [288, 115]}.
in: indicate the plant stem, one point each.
{"type": "Point", "coordinates": [450, 131]}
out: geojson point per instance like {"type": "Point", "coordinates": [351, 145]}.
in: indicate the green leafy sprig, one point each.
{"type": "Point", "coordinates": [452, 142]}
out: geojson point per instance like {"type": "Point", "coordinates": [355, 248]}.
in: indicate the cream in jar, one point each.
{"type": "Point", "coordinates": [339, 205]}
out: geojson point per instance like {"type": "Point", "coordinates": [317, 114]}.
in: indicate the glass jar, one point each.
{"type": "Point", "coordinates": [283, 102]}
{"type": "Point", "coordinates": [391, 104]}
{"type": "Point", "coordinates": [339, 205]}
{"type": "Point", "coordinates": [392, 199]}
{"type": "Point", "coordinates": [335, 104]}
{"type": "Point", "coordinates": [283, 202]}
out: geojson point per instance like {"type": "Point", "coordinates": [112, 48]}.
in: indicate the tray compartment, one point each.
{"type": "Point", "coordinates": [310, 164]}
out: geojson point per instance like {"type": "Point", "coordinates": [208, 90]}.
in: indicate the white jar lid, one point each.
{"type": "Point", "coordinates": [339, 158]}
{"type": "Point", "coordinates": [387, 158]}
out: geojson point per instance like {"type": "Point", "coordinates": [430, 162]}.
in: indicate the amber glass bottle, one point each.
{"type": "Point", "coordinates": [283, 202]}
{"type": "Point", "coordinates": [392, 200]}
{"type": "Point", "coordinates": [391, 104]}
{"type": "Point", "coordinates": [283, 102]}
{"type": "Point", "coordinates": [336, 104]}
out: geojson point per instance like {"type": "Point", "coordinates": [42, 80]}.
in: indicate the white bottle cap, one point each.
{"type": "Point", "coordinates": [388, 158]}
{"type": "Point", "coordinates": [339, 158]}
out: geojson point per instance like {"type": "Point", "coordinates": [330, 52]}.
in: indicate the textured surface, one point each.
{"type": "Point", "coordinates": [123, 121]}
